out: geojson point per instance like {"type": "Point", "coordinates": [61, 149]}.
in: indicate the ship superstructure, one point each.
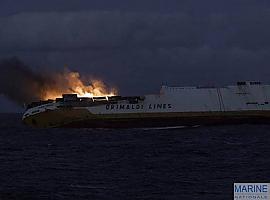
{"type": "Point", "coordinates": [245, 102]}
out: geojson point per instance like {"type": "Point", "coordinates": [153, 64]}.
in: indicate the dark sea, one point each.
{"type": "Point", "coordinates": [186, 163]}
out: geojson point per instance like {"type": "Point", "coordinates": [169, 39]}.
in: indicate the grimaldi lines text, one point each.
{"type": "Point", "coordinates": [245, 102]}
{"type": "Point", "coordinates": [137, 107]}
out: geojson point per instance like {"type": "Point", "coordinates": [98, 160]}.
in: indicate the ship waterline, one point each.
{"type": "Point", "coordinates": [246, 102]}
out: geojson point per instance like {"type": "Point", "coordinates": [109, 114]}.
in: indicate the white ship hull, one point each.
{"type": "Point", "coordinates": [246, 102]}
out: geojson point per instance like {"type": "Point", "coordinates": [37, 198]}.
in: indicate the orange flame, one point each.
{"type": "Point", "coordinates": [70, 82]}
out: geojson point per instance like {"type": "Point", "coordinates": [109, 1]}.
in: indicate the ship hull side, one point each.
{"type": "Point", "coordinates": [171, 121]}
{"type": "Point", "coordinates": [81, 118]}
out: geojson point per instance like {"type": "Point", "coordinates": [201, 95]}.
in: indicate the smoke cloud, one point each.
{"type": "Point", "coordinates": [22, 85]}
{"type": "Point", "coordinates": [18, 82]}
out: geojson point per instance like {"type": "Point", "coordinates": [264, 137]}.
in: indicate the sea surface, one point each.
{"type": "Point", "coordinates": [183, 163]}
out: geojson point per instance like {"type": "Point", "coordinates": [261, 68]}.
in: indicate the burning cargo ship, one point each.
{"type": "Point", "coordinates": [245, 102]}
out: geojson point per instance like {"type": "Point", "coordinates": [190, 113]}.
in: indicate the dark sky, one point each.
{"type": "Point", "coordinates": [138, 45]}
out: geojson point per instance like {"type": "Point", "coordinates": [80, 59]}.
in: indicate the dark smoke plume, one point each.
{"type": "Point", "coordinates": [18, 82]}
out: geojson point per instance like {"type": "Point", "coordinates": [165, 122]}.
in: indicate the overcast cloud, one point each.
{"type": "Point", "coordinates": [139, 47]}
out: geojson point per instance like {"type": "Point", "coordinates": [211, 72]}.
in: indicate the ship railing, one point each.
{"type": "Point", "coordinates": [39, 103]}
